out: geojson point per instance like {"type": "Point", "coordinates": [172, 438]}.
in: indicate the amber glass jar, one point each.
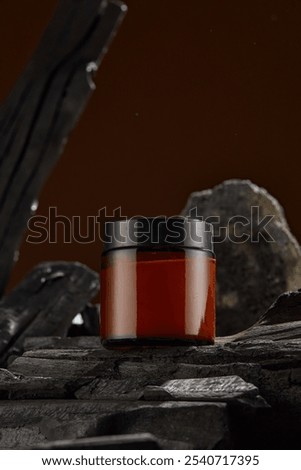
{"type": "Point", "coordinates": [157, 283]}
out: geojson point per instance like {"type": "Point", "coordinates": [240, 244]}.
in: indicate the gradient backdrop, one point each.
{"type": "Point", "coordinates": [191, 93]}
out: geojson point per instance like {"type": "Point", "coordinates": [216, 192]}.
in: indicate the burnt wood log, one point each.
{"type": "Point", "coordinates": [44, 303]}
{"type": "Point", "coordinates": [44, 106]}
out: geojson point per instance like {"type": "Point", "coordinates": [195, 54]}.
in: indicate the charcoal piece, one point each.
{"type": "Point", "coordinates": [228, 388]}
{"type": "Point", "coordinates": [147, 371]}
{"type": "Point", "coordinates": [19, 387]}
{"type": "Point", "coordinates": [90, 316]}
{"type": "Point", "coordinates": [287, 308]}
{"type": "Point", "coordinates": [270, 332]}
{"type": "Point", "coordinates": [20, 437]}
{"type": "Point", "coordinates": [57, 342]}
{"type": "Point", "coordinates": [200, 425]}
{"type": "Point", "coordinates": [112, 389]}
{"type": "Point", "coordinates": [247, 371]}
{"type": "Point", "coordinates": [57, 368]}
{"type": "Point", "coordinates": [44, 106]}
{"type": "Point", "coordinates": [203, 425]}
{"type": "Point", "coordinates": [254, 270]}
{"type": "Point", "coordinates": [76, 428]}
{"type": "Point", "coordinates": [90, 322]}
{"type": "Point", "coordinates": [143, 441]}
{"type": "Point", "coordinates": [44, 303]}
{"type": "Point", "coordinates": [265, 363]}
{"type": "Point", "coordinates": [94, 375]}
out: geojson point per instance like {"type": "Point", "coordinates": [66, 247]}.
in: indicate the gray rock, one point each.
{"type": "Point", "coordinates": [254, 270]}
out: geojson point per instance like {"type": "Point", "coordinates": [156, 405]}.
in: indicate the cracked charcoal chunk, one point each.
{"type": "Point", "coordinates": [44, 303]}
{"type": "Point", "coordinates": [231, 389]}
{"type": "Point", "coordinates": [251, 275]}
{"type": "Point", "coordinates": [112, 389]}
{"type": "Point", "coordinates": [44, 106]}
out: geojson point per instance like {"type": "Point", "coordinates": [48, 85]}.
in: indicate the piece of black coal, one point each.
{"type": "Point", "coordinates": [44, 303]}
{"type": "Point", "coordinates": [44, 106]}
{"type": "Point", "coordinates": [225, 389]}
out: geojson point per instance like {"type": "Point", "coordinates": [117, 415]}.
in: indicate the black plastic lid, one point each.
{"type": "Point", "coordinates": [158, 233]}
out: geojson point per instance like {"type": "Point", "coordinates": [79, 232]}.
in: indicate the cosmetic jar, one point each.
{"type": "Point", "coordinates": [157, 283]}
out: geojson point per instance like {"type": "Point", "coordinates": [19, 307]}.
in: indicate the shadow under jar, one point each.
{"type": "Point", "coordinates": [157, 283]}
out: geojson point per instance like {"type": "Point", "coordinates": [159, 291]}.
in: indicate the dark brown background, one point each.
{"type": "Point", "coordinates": [191, 93]}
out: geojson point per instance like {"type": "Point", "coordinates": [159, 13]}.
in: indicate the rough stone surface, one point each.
{"type": "Point", "coordinates": [250, 275]}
